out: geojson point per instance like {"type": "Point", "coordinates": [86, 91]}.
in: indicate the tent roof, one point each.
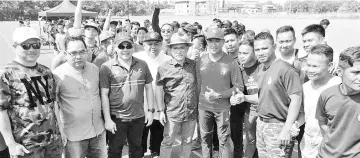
{"type": "Point", "coordinates": [66, 8]}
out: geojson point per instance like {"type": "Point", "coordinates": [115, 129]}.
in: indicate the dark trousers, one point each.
{"type": "Point", "coordinates": [156, 130]}
{"type": "Point", "coordinates": [236, 125]}
{"type": "Point", "coordinates": [5, 153]}
{"type": "Point", "coordinates": [130, 129]}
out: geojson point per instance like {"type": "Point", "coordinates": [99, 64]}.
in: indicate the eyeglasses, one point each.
{"type": "Point", "coordinates": [74, 54]}
{"type": "Point", "coordinates": [28, 45]}
{"type": "Point", "coordinates": [120, 46]}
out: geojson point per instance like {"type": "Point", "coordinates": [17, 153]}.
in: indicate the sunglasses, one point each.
{"type": "Point", "coordinates": [28, 45]}
{"type": "Point", "coordinates": [123, 47]}
{"type": "Point", "coordinates": [165, 31]}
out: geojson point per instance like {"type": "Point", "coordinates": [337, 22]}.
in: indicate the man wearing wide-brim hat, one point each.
{"type": "Point", "coordinates": [176, 93]}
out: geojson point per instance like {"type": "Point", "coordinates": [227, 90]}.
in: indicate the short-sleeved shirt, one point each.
{"type": "Point", "coordinates": [278, 82]}
{"type": "Point", "coordinates": [79, 101]}
{"type": "Point", "coordinates": [342, 114]}
{"type": "Point", "coordinates": [223, 76]}
{"type": "Point", "coordinates": [250, 78]}
{"type": "Point", "coordinates": [126, 87]}
{"type": "Point", "coordinates": [27, 93]}
{"type": "Point", "coordinates": [153, 64]}
{"type": "Point", "coordinates": [180, 89]}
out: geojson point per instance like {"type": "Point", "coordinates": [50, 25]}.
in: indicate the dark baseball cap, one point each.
{"type": "Point", "coordinates": [214, 33]}
{"type": "Point", "coordinates": [152, 36]}
{"type": "Point", "coordinates": [190, 28]}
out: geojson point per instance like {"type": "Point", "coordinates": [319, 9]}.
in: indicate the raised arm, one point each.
{"type": "Point", "coordinates": [78, 15]}
{"type": "Point", "coordinates": [155, 21]}
{"type": "Point", "coordinates": [107, 21]}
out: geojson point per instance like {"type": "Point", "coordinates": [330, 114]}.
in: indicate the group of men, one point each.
{"type": "Point", "coordinates": [175, 81]}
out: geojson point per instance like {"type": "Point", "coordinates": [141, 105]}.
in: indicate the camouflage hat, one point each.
{"type": "Point", "coordinates": [190, 28]}
{"type": "Point", "coordinates": [214, 33]}
{"type": "Point", "coordinates": [178, 38]}
{"type": "Point", "coordinates": [93, 25]}
{"type": "Point", "coordinates": [123, 37]}
{"type": "Point", "coordinates": [152, 36]}
{"type": "Point", "coordinates": [105, 35]}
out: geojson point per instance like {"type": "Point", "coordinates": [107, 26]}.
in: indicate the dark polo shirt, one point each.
{"type": "Point", "coordinates": [180, 88]}
{"type": "Point", "coordinates": [278, 82]}
{"type": "Point", "coordinates": [223, 76]}
{"type": "Point", "coordinates": [342, 115]}
{"type": "Point", "coordinates": [126, 87]}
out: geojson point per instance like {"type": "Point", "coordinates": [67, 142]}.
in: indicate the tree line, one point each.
{"type": "Point", "coordinates": [316, 6]}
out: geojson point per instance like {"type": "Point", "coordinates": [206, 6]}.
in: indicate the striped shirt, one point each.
{"type": "Point", "coordinates": [126, 87]}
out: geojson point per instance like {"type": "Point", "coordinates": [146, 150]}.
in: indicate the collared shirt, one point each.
{"type": "Point", "coordinates": [223, 76]}
{"type": "Point", "coordinates": [126, 87]}
{"type": "Point", "coordinates": [153, 64]}
{"type": "Point", "coordinates": [180, 89]}
{"type": "Point", "coordinates": [79, 101]}
{"type": "Point", "coordinates": [27, 93]}
{"type": "Point", "coordinates": [342, 114]}
{"type": "Point", "coordinates": [278, 82]}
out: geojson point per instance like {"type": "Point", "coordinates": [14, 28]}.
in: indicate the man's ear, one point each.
{"type": "Point", "coordinates": [331, 66]}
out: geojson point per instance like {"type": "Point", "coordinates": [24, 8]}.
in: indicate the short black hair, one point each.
{"type": "Point", "coordinates": [127, 20]}
{"type": "Point", "coordinates": [135, 23]}
{"type": "Point", "coordinates": [315, 28]}
{"type": "Point", "coordinates": [230, 31]}
{"type": "Point", "coordinates": [142, 28]}
{"type": "Point", "coordinates": [264, 36]}
{"type": "Point", "coordinates": [324, 22]}
{"type": "Point", "coordinates": [183, 24]}
{"type": "Point", "coordinates": [199, 26]}
{"type": "Point", "coordinates": [227, 22]}
{"type": "Point", "coordinates": [146, 20]}
{"type": "Point", "coordinates": [195, 23]}
{"type": "Point", "coordinates": [21, 22]}
{"type": "Point", "coordinates": [250, 33]}
{"type": "Point", "coordinates": [175, 24]}
{"type": "Point", "coordinates": [217, 20]}
{"type": "Point", "coordinates": [248, 42]}
{"type": "Point", "coordinates": [286, 28]}
{"type": "Point", "coordinates": [323, 49]}
{"type": "Point", "coordinates": [74, 38]}
{"type": "Point", "coordinates": [349, 56]}
{"type": "Point", "coordinates": [240, 28]}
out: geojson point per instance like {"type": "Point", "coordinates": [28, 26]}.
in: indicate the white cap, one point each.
{"type": "Point", "coordinates": [22, 34]}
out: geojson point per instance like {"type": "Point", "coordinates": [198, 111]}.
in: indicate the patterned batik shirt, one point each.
{"type": "Point", "coordinates": [27, 95]}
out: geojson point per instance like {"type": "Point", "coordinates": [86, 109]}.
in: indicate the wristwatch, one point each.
{"type": "Point", "coordinates": [151, 110]}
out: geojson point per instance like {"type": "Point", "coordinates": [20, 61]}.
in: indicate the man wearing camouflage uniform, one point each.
{"type": "Point", "coordinates": [27, 118]}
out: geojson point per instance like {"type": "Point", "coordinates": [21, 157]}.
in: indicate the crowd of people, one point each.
{"type": "Point", "coordinates": [112, 84]}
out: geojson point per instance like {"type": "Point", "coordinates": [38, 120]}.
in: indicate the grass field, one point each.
{"type": "Point", "coordinates": [340, 35]}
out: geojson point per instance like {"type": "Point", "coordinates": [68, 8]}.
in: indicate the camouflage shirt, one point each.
{"type": "Point", "coordinates": [27, 94]}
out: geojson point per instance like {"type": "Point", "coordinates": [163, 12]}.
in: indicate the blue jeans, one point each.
{"type": "Point", "coordinates": [91, 148]}
{"type": "Point", "coordinates": [206, 122]}
{"type": "Point", "coordinates": [171, 130]}
{"type": "Point", "coordinates": [130, 129]}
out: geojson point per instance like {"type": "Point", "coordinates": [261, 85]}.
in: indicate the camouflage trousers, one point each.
{"type": "Point", "coordinates": [53, 150]}
{"type": "Point", "coordinates": [266, 141]}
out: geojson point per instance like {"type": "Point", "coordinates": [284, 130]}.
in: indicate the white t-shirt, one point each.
{"type": "Point", "coordinates": [312, 137]}
{"type": "Point", "coordinates": [153, 64]}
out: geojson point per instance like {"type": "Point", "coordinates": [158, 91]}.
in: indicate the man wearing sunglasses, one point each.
{"type": "Point", "coordinates": [27, 118]}
{"type": "Point", "coordinates": [122, 82]}
{"type": "Point", "coordinates": [154, 57]}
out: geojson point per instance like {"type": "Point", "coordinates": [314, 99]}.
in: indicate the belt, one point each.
{"type": "Point", "coordinates": [270, 120]}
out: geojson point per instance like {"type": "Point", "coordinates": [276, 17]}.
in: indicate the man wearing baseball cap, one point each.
{"type": "Point", "coordinates": [177, 96]}
{"type": "Point", "coordinates": [214, 103]}
{"type": "Point", "coordinates": [27, 117]}
{"type": "Point", "coordinates": [154, 57]}
{"type": "Point", "coordinates": [122, 82]}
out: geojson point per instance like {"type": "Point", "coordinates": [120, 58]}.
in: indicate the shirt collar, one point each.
{"type": "Point", "coordinates": [115, 61]}
{"type": "Point", "coordinates": [174, 62]}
